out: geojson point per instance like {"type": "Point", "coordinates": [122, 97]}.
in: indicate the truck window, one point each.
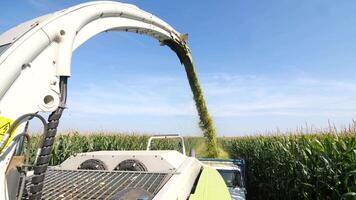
{"type": "Point", "coordinates": [232, 178]}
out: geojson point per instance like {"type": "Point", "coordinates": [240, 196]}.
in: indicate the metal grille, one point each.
{"type": "Point", "coordinates": [95, 184]}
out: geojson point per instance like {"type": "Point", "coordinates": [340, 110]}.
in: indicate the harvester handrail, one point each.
{"type": "Point", "coordinates": [166, 136]}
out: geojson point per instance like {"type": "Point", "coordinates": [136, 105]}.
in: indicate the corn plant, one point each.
{"type": "Point", "coordinates": [294, 166]}
{"type": "Point", "coordinates": [298, 166]}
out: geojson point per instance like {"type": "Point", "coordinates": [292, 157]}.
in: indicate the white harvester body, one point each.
{"type": "Point", "coordinates": [182, 170]}
{"type": "Point", "coordinates": [35, 63]}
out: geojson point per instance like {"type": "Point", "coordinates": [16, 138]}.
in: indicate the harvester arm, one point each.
{"type": "Point", "coordinates": [35, 63]}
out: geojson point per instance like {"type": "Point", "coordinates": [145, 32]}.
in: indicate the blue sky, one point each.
{"type": "Point", "coordinates": [263, 65]}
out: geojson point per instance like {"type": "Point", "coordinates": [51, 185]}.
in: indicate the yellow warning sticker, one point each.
{"type": "Point", "coordinates": [5, 124]}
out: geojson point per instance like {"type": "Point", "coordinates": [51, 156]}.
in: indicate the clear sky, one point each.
{"type": "Point", "coordinates": [263, 65]}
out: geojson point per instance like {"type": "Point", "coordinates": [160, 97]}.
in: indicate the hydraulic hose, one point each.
{"type": "Point", "coordinates": [26, 165]}
{"type": "Point", "coordinates": [17, 122]}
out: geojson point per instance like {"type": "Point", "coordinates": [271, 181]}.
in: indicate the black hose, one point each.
{"type": "Point", "coordinates": [46, 148]}
{"type": "Point", "coordinates": [20, 120]}
{"type": "Point", "coordinates": [26, 165]}
{"type": "Point", "coordinates": [17, 122]}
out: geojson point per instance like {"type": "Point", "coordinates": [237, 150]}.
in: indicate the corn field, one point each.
{"type": "Point", "coordinates": [321, 166]}
{"type": "Point", "coordinates": [69, 144]}
{"type": "Point", "coordinates": [298, 166]}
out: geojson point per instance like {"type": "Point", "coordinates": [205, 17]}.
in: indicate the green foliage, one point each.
{"type": "Point", "coordinates": [319, 166]}
{"type": "Point", "coordinates": [206, 122]}
{"type": "Point", "coordinates": [69, 144]}
{"type": "Point", "coordinates": [298, 166]}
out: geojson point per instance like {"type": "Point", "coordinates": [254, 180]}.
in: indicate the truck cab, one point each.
{"type": "Point", "coordinates": [233, 173]}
